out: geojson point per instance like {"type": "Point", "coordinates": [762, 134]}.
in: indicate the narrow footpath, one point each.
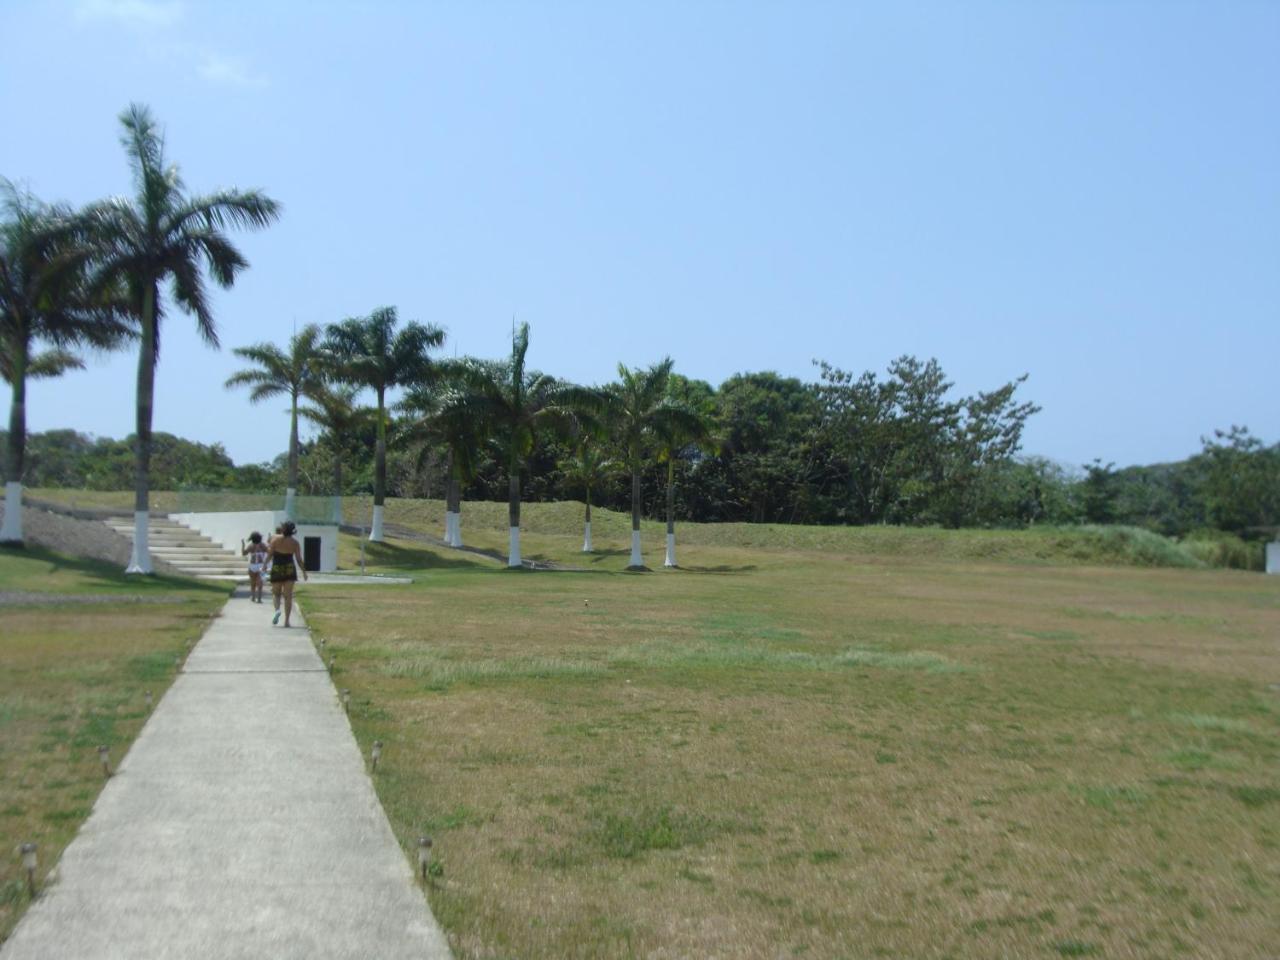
{"type": "Point", "coordinates": [241, 824]}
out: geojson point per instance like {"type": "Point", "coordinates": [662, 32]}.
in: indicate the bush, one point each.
{"type": "Point", "coordinates": [1218, 549]}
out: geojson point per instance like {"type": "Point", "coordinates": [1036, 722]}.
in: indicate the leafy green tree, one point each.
{"type": "Point", "coordinates": [161, 234]}
{"type": "Point", "coordinates": [295, 373]}
{"type": "Point", "coordinates": [335, 412]}
{"type": "Point", "coordinates": [905, 451]}
{"type": "Point", "coordinates": [767, 425]}
{"type": "Point", "coordinates": [43, 299]}
{"type": "Point", "coordinates": [679, 429]}
{"type": "Point", "coordinates": [644, 418]}
{"type": "Point", "coordinates": [1241, 482]}
{"type": "Point", "coordinates": [439, 414]}
{"type": "Point", "coordinates": [512, 406]}
{"type": "Point", "coordinates": [371, 352]}
{"type": "Point", "coordinates": [1099, 492]}
{"type": "Point", "coordinates": [588, 468]}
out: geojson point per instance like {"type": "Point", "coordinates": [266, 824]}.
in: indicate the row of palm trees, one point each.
{"type": "Point", "coordinates": [95, 277]}
{"type": "Point", "coordinates": [468, 406]}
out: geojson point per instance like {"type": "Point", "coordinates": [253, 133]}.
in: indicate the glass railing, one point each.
{"type": "Point", "coordinates": [306, 509]}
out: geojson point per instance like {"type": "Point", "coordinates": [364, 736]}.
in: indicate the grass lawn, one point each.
{"type": "Point", "coordinates": [73, 675]}
{"type": "Point", "coordinates": [783, 752]}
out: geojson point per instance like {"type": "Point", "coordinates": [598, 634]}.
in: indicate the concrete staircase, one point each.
{"type": "Point", "coordinates": [190, 551]}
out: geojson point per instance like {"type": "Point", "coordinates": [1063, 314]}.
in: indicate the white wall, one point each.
{"type": "Point", "coordinates": [228, 529]}
{"type": "Point", "coordinates": [328, 545]}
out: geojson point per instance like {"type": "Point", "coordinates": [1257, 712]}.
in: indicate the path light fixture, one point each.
{"type": "Point", "coordinates": [332, 661]}
{"type": "Point", "coordinates": [29, 865]}
{"type": "Point", "coordinates": [322, 644]}
{"type": "Point", "coordinates": [177, 662]}
{"type": "Point", "coordinates": [346, 700]}
{"type": "Point", "coordinates": [376, 754]}
{"type": "Point", "coordinates": [147, 698]}
{"type": "Point", "coordinates": [424, 856]}
{"type": "Point", "coordinates": [104, 757]}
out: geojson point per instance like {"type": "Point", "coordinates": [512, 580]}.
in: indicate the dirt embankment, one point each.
{"type": "Point", "coordinates": [91, 539]}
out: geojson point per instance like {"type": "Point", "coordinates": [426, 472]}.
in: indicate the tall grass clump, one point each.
{"type": "Point", "coordinates": [1218, 549]}
{"type": "Point", "coordinates": [1126, 545]}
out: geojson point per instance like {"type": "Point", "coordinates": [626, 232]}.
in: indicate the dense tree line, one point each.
{"type": "Point", "coordinates": [897, 447]}
{"type": "Point", "coordinates": [777, 460]}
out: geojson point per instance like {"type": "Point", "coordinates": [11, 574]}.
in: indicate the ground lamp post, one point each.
{"type": "Point", "coordinates": [104, 757]}
{"type": "Point", "coordinates": [424, 856]}
{"type": "Point", "coordinates": [376, 755]}
{"type": "Point", "coordinates": [29, 864]}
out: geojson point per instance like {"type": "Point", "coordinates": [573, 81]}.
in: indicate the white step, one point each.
{"type": "Point", "coordinates": [186, 549]}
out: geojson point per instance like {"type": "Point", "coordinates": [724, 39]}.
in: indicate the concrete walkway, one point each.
{"type": "Point", "coordinates": [241, 825]}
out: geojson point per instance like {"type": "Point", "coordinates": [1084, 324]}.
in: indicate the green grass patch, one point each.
{"type": "Point", "coordinates": [786, 751]}
{"type": "Point", "coordinates": [74, 676]}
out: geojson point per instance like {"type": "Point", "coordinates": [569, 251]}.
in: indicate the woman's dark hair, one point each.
{"type": "Point", "coordinates": [255, 537]}
{"type": "Point", "coordinates": [288, 528]}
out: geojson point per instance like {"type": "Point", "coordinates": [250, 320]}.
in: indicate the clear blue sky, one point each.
{"type": "Point", "coordinates": [1088, 192]}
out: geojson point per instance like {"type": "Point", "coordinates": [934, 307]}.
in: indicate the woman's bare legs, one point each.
{"type": "Point", "coordinates": [288, 600]}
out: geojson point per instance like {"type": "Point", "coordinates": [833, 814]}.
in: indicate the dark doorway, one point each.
{"type": "Point", "coordinates": [311, 553]}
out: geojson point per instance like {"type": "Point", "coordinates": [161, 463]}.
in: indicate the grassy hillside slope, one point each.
{"type": "Point", "coordinates": [485, 524]}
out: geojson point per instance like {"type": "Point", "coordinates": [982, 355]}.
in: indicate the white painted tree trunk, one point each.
{"type": "Point", "coordinates": [457, 528]}
{"type": "Point", "coordinates": [513, 551]}
{"type": "Point", "coordinates": [448, 528]}
{"type": "Point", "coordinates": [636, 559]}
{"type": "Point", "coordinates": [11, 532]}
{"type": "Point", "coordinates": [586, 537]}
{"type": "Point", "coordinates": [671, 551]}
{"type": "Point", "coordinates": [337, 510]}
{"type": "Point", "coordinates": [140, 559]}
{"type": "Point", "coordinates": [375, 531]}
{"type": "Point", "coordinates": [290, 498]}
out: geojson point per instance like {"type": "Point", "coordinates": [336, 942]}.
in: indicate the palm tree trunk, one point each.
{"type": "Point", "coordinates": [337, 487]}
{"type": "Point", "coordinates": [140, 559]}
{"type": "Point", "coordinates": [513, 518]}
{"type": "Point", "coordinates": [454, 504]}
{"type": "Point", "coordinates": [586, 536]}
{"type": "Point", "coordinates": [636, 559]}
{"type": "Point", "coordinates": [379, 472]}
{"type": "Point", "coordinates": [11, 532]}
{"type": "Point", "coordinates": [291, 485]}
{"type": "Point", "coordinates": [450, 499]}
{"type": "Point", "coordinates": [671, 513]}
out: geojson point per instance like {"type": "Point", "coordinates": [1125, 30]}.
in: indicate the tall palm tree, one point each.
{"type": "Point", "coordinates": [43, 298]}
{"type": "Point", "coordinates": [160, 234]}
{"type": "Point", "coordinates": [334, 411]}
{"type": "Point", "coordinates": [295, 373]}
{"type": "Point", "coordinates": [439, 419]}
{"type": "Point", "coordinates": [589, 467]}
{"type": "Point", "coordinates": [644, 414]}
{"type": "Point", "coordinates": [370, 352]}
{"type": "Point", "coordinates": [679, 428]}
{"type": "Point", "coordinates": [513, 405]}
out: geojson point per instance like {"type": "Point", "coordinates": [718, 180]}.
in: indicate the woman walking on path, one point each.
{"type": "Point", "coordinates": [286, 561]}
{"type": "Point", "coordinates": [257, 552]}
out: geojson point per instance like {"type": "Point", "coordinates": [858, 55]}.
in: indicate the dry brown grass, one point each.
{"type": "Point", "coordinates": [804, 754]}
{"type": "Point", "coordinates": [73, 677]}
